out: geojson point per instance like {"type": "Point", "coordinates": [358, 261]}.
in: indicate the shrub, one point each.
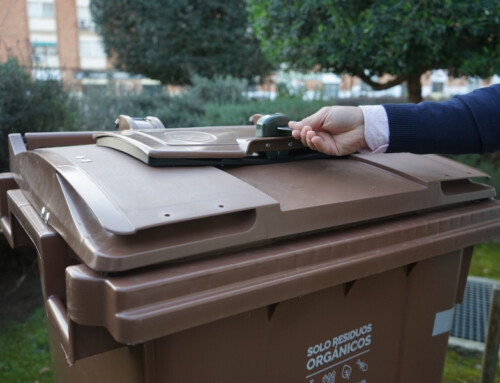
{"type": "Point", "coordinates": [27, 105]}
{"type": "Point", "coordinates": [180, 111]}
{"type": "Point", "coordinates": [295, 108]}
{"type": "Point", "coordinates": [219, 90]}
{"type": "Point", "coordinates": [238, 114]}
{"type": "Point", "coordinates": [99, 108]}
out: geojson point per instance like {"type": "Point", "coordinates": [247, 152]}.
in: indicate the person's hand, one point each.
{"type": "Point", "coordinates": [333, 130]}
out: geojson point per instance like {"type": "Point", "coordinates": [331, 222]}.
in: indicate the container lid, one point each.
{"type": "Point", "coordinates": [219, 146]}
{"type": "Point", "coordinates": [118, 213]}
{"type": "Point", "coordinates": [269, 140]}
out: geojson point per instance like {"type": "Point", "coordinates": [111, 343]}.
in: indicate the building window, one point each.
{"type": "Point", "coordinates": [38, 9]}
{"type": "Point", "coordinates": [85, 18]}
{"type": "Point", "coordinates": [44, 53]}
{"type": "Point", "coordinates": [92, 49]}
{"type": "Point", "coordinates": [438, 78]}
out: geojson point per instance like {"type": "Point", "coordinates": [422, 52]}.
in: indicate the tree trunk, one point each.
{"type": "Point", "coordinates": [414, 88]}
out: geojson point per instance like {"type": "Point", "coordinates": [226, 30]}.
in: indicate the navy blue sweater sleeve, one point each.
{"type": "Point", "coordinates": [464, 124]}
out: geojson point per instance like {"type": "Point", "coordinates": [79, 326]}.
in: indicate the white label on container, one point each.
{"type": "Point", "coordinates": [443, 322]}
{"type": "Point", "coordinates": [335, 351]}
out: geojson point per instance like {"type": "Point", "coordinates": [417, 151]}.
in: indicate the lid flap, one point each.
{"type": "Point", "coordinates": [174, 147]}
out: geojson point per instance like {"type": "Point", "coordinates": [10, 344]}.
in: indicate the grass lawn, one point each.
{"type": "Point", "coordinates": [24, 351]}
{"type": "Point", "coordinates": [486, 261]}
{"type": "Point", "coordinates": [24, 354]}
{"type": "Point", "coordinates": [464, 368]}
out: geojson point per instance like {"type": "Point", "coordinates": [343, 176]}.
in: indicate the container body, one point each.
{"type": "Point", "coordinates": [389, 327]}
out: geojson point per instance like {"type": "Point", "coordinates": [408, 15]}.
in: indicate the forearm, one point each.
{"type": "Point", "coordinates": [463, 124]}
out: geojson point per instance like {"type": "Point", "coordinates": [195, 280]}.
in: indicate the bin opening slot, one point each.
{"type": "Point", "coordinates": [192, 231]}
{"type": "Point", "coordinates": [457, 187]}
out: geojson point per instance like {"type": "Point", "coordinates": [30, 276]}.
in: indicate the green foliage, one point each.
{"type": "Point", "coordinates": [238, 114]}
{"type": "Point", "coordinates": [462, 367]}
{"type": "Point", "coordinates": [296, 109]}
{"type": "Point", "coordinates": [486, 261]}
{"type": "Point", "coordinates": [24, 351]}
{"type": "Point", "coordinates": [173, 40]}
{"type": "Point", "coordinates": [372, 38]}
{"type": "Point", "coordinates": [286, 91]}
{"type": "Point", "coordinates": [180, 111]}
{"type": "Point", "coordinates": [187, 109]}
{"type": "Point", "coordinates": [99, 109]}
{"type": "Point", "coordinates": [34, 106]}
{"type": "Point", "coordinates": [218, 90]}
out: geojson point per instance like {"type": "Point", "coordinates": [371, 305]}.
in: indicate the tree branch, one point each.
{"type": "Point", "coordinates": [386, 85]}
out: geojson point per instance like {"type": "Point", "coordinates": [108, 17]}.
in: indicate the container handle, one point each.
{"type": "Point", "coordinates": [58, 317]}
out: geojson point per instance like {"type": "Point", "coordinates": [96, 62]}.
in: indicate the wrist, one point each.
{"type": "Point", "coordinates": [360, 129]}
{"type": "Point", "coordinates": [376, 128]}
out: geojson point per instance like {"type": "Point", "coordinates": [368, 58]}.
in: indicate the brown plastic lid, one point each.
{"type": "Point", "coordinates": [170, 146]}
{"type": "Point", "coordinates": [118, 213]}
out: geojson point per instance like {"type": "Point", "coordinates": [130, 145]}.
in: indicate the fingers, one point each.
{"type": "Point", "coordinates": [323, 146]}
{"type": "Point", "coordinates": [296, 129]}
{"type": "Point", "coordinates": [306, 136]}
{"type": "Point", "coordinates": [311, 137]}
{"type": "Point", "coordinates": [318, 141]}
{"type": "Point", "coordinates": [295, 132]}
{"type": "Point", "coordinates": [303, 134]}
{"type": "Point", "coordinates": [334, 130]}
{"type": "Point", "coordinates": [314, 121]}
{"type": "Point", "coordinates": [307, 128]}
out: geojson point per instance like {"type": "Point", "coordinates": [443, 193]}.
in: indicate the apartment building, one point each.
{"type": "Point", "coordinates": [57, 39]}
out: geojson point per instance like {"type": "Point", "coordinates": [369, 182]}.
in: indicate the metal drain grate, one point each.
{"type": "Point", "coordinates": [470, 320]}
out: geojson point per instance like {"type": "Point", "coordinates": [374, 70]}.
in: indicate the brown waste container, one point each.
{"type": "Point", "coordinates": [328, 270]}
